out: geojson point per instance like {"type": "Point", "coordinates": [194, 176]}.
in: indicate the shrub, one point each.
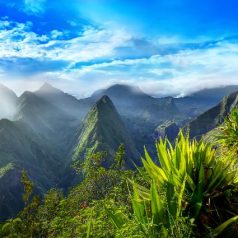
{"type": "Point", "coordinates": [191, 183]}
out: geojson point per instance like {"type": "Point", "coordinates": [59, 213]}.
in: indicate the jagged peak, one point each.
{"type": "Point", "coordinates": [29, 98]}
{"type": "Point", "coordinates": [5, 90]}
{"type": "Point", "coordinates": [103, 109]}
{"type": "Point", "coordinates": [103, 130]}
{"type": "Point", "coordinates": [104, 103]}
{"type": "Point", "coordinates": [27, 94]}
{"type": "Point", "coordinates": [104, 100]}
{"type": "Point", "coordinates": [2, 86]}
{"type": "Point", "coordinates": [48, 88]}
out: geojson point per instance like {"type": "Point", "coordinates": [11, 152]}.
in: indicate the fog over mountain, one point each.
{"type": "Point", "coordinates": [83, 89]}
{"type": "Point", "coordinates": [8, 101]}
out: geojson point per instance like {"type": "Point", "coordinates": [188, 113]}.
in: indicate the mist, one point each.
{"type": "Point", "coordinates": [8, 102]}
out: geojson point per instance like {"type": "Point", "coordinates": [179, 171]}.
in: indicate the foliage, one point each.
{"type": "Point", "coordinates": [206, 176]}
{"type": "Point", "coordinates": [82, 212]}
{"type": "Point", "coordinates": [228, 136]}
{"type": "Point", "coordinates": [5, 169]}
{"type": "Point", "coordinates": [190, 181]}
{"type": "Point", "coordinates": [119, 160]}
{"type": "Point", "coordinates": [26, 224]}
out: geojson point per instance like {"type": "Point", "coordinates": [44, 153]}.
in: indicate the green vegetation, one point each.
{"type": "Point", "coordinates": [191, 186]}
{"type": "Point", "coordinates": [229, 132]}
{"type": "Point", "coordinates": [5, 169]}
{"type": "Point", "coordinates": [190, 190]}
{"type": "Point", "coordinates": [103, 130]}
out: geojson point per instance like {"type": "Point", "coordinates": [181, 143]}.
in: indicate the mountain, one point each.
{"type": "Point", "coordinates": [133, 103]}
{"type": "Point", "coordinates": [65, 102]}
{"type": "Point", "coordinates": [49, 122]}
{"type": "Point", "coordinates": [38, 140]}
{"type": "Point", "coordinates": [19, 150]}
{"type": "Point", "coordinates": [103, 130]}
{"type": "Point", "coordinates": [8, 101]}
{"type": "Point", "coordinates": [213, 117]}
{"type": "Point", "coordinates": [141, 113]}
{"type": "Point", "coordinates": [201, 101]}
{"type": "Point", "coordinates": [50, 128]}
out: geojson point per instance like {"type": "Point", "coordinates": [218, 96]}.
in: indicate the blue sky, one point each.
{"type": "Point", "coordinates": [167, 47]}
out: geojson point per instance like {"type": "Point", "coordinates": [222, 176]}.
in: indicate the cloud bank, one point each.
{"type": "Point", "coordinates": [96, 57]}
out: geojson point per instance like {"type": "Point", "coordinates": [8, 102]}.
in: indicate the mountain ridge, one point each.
{"type": "Point", "coordinates": [213, 117]}
{"type": "Point", "coordinates": [103, 130]}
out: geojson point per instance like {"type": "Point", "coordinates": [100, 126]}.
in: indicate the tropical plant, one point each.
{"type": "Point", "coordinates": [188, 180]}
{"type": "Point", "coordinates": [119, 158]}
{"type": "Point", "coordinates": [228, 136]}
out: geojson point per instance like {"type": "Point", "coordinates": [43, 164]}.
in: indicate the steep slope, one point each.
{"type": "Point", "coordinates": [141, 113]}
{"type": "Point", "coordinates": [103, 130]}
{"type": "Point", "coordinates": [51, 124]}
{"type": "Point", "coordinates": [8, 101]}
{"type": "Point", "coordinates": [201, 101]}
{"type": "Point", "coordinates": [39, 140]}
{"type": "Point", "coordinates": [66, 102]}
{"type": "Point", "coordinates": [19, 149]}
{"type": "Point", "coordinates": [213, 117]}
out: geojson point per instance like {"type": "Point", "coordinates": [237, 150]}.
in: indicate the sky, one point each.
{"type": "Point", "coordinates": [166, 47]}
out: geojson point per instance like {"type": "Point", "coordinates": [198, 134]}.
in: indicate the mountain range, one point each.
{"type": "Point", "coordinates": [212, 118]}
{"type": "Point", "coordinates": [47, 130]}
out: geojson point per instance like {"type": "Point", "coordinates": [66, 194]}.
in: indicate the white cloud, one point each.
{"type": "Point", "coordinates": [34, 7]}
{"type": "Point", "coordinates": [174, 74]}
{"type": "Point", "coordinates": [56, 34]}
{"type": "Point", "coordinates": [94, 60]}
{"type": "Point", "coordinates": [20, 41]}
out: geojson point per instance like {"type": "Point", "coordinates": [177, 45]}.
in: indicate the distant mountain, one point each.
{"type": "Point", "coordinates": [38, 113]}
{"type": "Point", "coordinates": [65, 102]}
{"type": "Point", "coordinates": [133, 103]}
{"type": "Point", "coordinates": [103, 130]}
{"type": "Point", "coordinates": [201, 101]}
{"type": "Point", "coordinates": [213, 117]}
{"type": "Point", "coordinates": [8, 101]}
{"type": "Point", "coordinates": [49, 122]}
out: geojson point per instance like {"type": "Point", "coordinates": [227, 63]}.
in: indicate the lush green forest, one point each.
{"type": "Point", "coordinates": [189, 190]}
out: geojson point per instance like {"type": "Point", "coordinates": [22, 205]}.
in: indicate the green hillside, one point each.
{"type": "Point", "coordinates": [103, 130]}
{"type": "Point", "coordinates": [19, 150]}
